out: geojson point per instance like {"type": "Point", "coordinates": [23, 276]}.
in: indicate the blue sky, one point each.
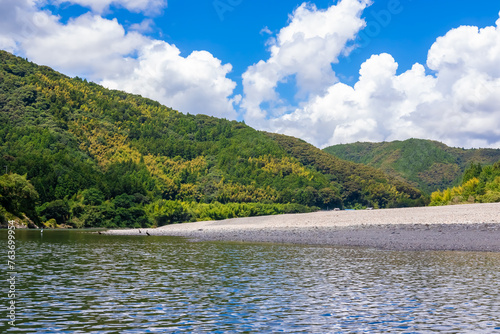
{"type": "Point", "coordinates": [237, 39]}
{"type": "Point", "coordinates": [202, 57]}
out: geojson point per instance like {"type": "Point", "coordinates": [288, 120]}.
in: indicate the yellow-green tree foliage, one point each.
{"type": "Point", "coordinates": [480, 185]}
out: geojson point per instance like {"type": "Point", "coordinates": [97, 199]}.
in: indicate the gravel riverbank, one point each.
{"type": "Point", "coordinates": [472, 227]}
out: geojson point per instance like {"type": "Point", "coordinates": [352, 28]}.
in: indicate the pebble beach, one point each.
{"type": "Point", "coordinates": [471, 227]}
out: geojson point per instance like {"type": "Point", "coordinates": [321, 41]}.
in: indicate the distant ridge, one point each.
{"type": "Point", "coordinates": [426, 164]}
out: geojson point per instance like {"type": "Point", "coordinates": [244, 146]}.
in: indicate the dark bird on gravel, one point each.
{"type": "Point", "coordinates": [147, 233]}
{"type": "Point", "coordinates": [140, 231]}
{"type": "Point", "coordinates": [99, 232]}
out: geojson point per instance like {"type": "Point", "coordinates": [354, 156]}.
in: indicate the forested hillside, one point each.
{"type": "Point", "coordinates": [85, 156]}
{"type": "Point", "coordinates": [361, 185]}
{"type": "Point", "coordinates": [427, 165]}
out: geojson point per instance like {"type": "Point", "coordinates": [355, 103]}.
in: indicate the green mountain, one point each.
{"type": "Point", "coordinates": [427, 165]}
{"type": "Point", "coordinates": [82, 155]}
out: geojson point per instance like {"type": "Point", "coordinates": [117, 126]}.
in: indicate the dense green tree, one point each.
{"type": "Point", "coordinates": [58, 210]}
{"type": "Point", "coordinates": [473, 171]}
{"type": "Point", "coordinates": [124, 201]}
{"type": "Point", "coordinates": [18, 196]}
{"type": "Point", "coordinates": [92, 196]}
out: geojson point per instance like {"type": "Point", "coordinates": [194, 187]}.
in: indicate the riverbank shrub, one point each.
{"type": "Point", "coordinates": [169, 212]}
{"type": "Point", "coordinates": [480, 185]}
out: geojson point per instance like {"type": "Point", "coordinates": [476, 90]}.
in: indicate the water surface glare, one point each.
{"type": "Point", "coordinates": [77, 282]}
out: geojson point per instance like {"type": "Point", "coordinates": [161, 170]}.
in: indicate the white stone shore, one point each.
{"type": "Point", "coordinates": [458, 227]}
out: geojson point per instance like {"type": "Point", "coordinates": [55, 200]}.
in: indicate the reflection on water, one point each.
{"type": "Point", "coordinates": [75, 282]}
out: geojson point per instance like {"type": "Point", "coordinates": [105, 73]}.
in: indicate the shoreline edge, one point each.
{"type": "Point", "coordinates": [469, 227]}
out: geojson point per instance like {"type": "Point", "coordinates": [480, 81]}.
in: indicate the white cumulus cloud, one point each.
{"type": "Point", "coordinates": [195, 84]}
{"type": "Point", "coordinates": [89, 46]}
{"type": "Point", "coordinates": [459, 103]}
{"type": "Point", "coordinates": [375, 109]}
{"type": "Point", "coordinates": [304, 50]}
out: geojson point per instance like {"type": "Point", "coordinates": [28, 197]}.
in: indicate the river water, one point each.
{"type": "Point", "coordinates": [78, 282]}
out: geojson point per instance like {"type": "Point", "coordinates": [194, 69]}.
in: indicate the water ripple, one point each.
{"type": "Point", "coordinates": [74, 282]}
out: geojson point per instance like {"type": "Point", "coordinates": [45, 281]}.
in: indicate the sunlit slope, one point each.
{"type": "Point", "coordinates": [428, 165]}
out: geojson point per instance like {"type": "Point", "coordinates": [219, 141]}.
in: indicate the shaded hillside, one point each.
{"type": "Point", "coordinates": [98, 157]}
{"type": "Point", "coordinates": [428, 165]}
